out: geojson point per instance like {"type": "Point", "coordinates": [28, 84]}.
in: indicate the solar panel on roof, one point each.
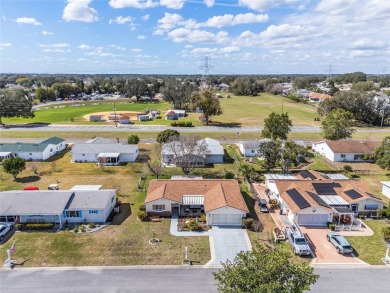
{"type": "Point", "coordinates": [308, 174]}
{"type": "Point", "coordinates": [373, 196]}
{"type": "Point", "coordinates": [353, 194]}
{"type": "Point", "coordinates": [299, 200]}
{"type": "Point", "coordinates": [303, 174]}
{"type": "Point", "coordinates": [325, 188]}
{"type": "Point", "coordinates": [318, 199]}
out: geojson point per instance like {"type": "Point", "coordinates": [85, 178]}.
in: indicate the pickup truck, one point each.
{"type": "Point", "coordinates": [297, 241]}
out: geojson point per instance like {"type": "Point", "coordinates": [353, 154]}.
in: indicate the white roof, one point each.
{"type": "Point", "coordinates": [386, 183]}
{"type": "Point", "coordinates": [337, 177]}
{"type": "Point", "coordinates": [3, 154]}
{"type": "Point", "coordinates": [108, 155]}
{"type": "Point", "coordinates": [193, 199]}
{"type": "Point", "coordinates": [86, 187]}
{"type": "Point", "coordinates": [177, 111]}
{"type": "Point", "coordinates": [279, 177]}
{"type": "Point", "coordinates": [333, 200]}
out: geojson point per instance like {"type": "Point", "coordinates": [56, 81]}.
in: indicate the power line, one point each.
{"type": "Point", "coordinates": [206, 66]}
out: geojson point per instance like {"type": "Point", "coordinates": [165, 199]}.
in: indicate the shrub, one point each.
{"type": "Point", "coordinates": [76, 229]}
{"type": "Point", "coordinates": [386, 213]}
{"type": "Point", "coordinates": [91, 225]}
{"type": "Point", "coordinates": [331, 226]}
{"type": "Point", "coordinates": [188, 123]}
{"type": "Point", "coordinates": [142, 208]}
{"type": "Point", "coordinates": [386, 233]}
{"type": "Point", "coordinates": [229, 175]}
{"type": "Point", "coordinates": [173, 123]}
{"type": "Point", "coordinates": [203, 218]}
{"type": "Point", "coordinates": [181, 123]}
{"type": "Point", "coordinates": [34, 226]}
{"type": "Point", "coordinates": [192, 225]}
{"type": "Point", "coordinates": [143, 216]}
{"type": "Point", "coordinates": [82, 228]}
{"type": "Point", "coordinates": [347, 168]}
{"type": "Point", "coordinates": [248, 223]}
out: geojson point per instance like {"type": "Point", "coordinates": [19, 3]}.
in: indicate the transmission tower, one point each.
{"type": "Point", "coordinates": [206, 66]}
{"type": "Point", "coordinates": [330, 71]}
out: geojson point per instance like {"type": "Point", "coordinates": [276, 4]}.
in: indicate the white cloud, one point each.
{"type": "Point", "coordinates": [263, 5]}
{"type": "Point", "coordinates": [58, 45]}
{"type": "Point", "coordinates": [137, 50]}
{"type": "Point", "coordinates": [46, 33]}
{"type": "Point", "coordinates": [141, 37]}
{"type": "Point", "coordinates": [169, 21]}
{"type": "Point", "coordinates": [369, 44]}
{"type": "Point", "coordinates": [84, 47]}
{"type": "Point", "coordinates": [5, 44]}
{"type": "Point", "coordinates": [194, 36]}
{"type": "Point", "coordinates": [146, 17]}
{"type": "Point", "coordinates": [172, 4]}
{"type": "Point", "coordinates": [28, 20]}
{"type": "Point", "coordinates": [54, 51]}
{"type": "Point", "coordinates": [231, 20]}
{"type": "Point", "coordinates": [82, 60]}
{"type": "Point", "coordinates": [118, 47]}
{"type": "Point", "coordinates": [209, 3]}
{"type": "Point", "coordinates": [121, 20]}
{"type": "Point", "coordinates": [132, 4]}
{"type": "Point", "coordinates": [78, 10]}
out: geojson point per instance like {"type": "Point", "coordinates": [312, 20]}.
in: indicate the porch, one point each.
{"type": "Point", "coordinates": [108, 158]}
{"type": "Point", "coordinates": [345, 220]}
{"type": "Point", "coordinates": [192, 206]}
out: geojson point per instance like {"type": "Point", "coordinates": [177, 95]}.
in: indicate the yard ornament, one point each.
{"type": "Point", "coordinates": [386, 259]}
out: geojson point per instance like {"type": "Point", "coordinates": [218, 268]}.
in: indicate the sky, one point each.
{"type": "Point", "coordinates": [176, 36]}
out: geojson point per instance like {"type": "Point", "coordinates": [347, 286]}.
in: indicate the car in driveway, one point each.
{"type": "Point", "coordinates": [263, 205]}
{"type": "Point", "coordinates": [4, 229]}
{"type": "Point", "coordinates": [341, 244]}
{"type": "Point", "coordinates": [297, 241]}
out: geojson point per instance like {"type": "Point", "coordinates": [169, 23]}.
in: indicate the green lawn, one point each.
{"type": "Point", "coordinates": [371, 249]}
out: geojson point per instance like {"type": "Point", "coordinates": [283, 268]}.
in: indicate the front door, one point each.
{"type": "Point", "coordinates": [355, 208]}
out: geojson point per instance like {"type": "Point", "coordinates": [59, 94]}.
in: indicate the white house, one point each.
{"type": "Point", "coordinates": [346, 150]}
{"type": "Point", "coordinates": [33, 151]}
{"type": "Point", "coordinates": [386, 188]}
{"type": "Point", "coordinates": [57, 206]}
{"type": "Point", "coordinates": [214, 152]}
{"type": "Point", "coordinates": [175, 114]}
{"type": "Point", "coordinates": [101, 150]}
{"type": "Point", "coordinates": [220, 200]}
{"type": "Point", "coordinates": [250, 148]}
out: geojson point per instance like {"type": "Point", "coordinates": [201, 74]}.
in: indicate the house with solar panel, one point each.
{"type": "Point", "coordinates": [346, 150]}
{"type": "Point", "coordinates": [32, 151]}
{"type": "Point", "coordinates": [310, 198]}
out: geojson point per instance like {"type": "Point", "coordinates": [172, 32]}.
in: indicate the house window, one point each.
{"type": "Point", "coordinates": [343, 155]}
{"type": "Point", "coordinates": [51, 150]}
{"type": "Point", "coordinates": [83, 155]}
{"type": "Point", "coordinates": [158, 207]}
{"type": "Point", "coordinates": [73, 214]}
{"type": "Point", "coordinates": [253, 151]}
{"type": "Point", "coordinates": [112, 199]}
{"type": "Point", "coordinates": [371, 207]}
{"type": "Point", "coordinates": [93, 212]}
{"type": "Point", "coordinates": [30, 154]}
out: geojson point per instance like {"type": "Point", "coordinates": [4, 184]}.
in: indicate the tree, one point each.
{"type": "Point", "coordinates": [133, 139]}
{"type": "Point", "coordinates": [264, 269]}
{"type": "Point", "coordinates": [136, 87]}
{"type": "Point", "coordinates": [154, 163]}
{"type": "Point", "coordinates": [178, 93]}
{"type": "Point", "coordinates": [270, 152]}
{"type": "Point", "coordinates": [247, 171]}
{"type": "Point", "coordinates": [14, 166]}
{"type": "Point", "coordinates": [243, 86]}
{"type": "Point", "coordinates": [383, 154]}
{"type": "Point", "coordinates": [14, 103]}
{"type": "Point", "coordinates": [188, 151]}
{"type": "Point", "coordinates": [43, 94]}
{"type": "Point", "coordinates": [290, 153]}
{"type": "Point", "coordinates": [208, 103]}
{"type": "Point", "coordinates": [337, 125]}
{"type": "Point", "coordinates": [276, 126]}
{"type": "Point", "coordinates": [165, 135]}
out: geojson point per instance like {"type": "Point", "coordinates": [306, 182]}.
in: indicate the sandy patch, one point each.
{"type": "Point", "coordinates": [132, 115]}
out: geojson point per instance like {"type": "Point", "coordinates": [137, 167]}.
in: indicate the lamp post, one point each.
{"type": "Point", "coordinates": [383, 114]}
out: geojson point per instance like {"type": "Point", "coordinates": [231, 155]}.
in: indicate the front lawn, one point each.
{"type": "Point", "coordinates": [372, 248]}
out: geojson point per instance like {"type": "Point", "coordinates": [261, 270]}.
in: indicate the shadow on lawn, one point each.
{"type": "Point", "coordinates": [220, 124]}
{"type": "Point", "coordinates": [123, 215]}
{"type": "Point", "coordinates": [28, 179]}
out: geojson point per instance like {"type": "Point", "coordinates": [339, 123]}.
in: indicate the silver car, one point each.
{"type": "Point", "coordinates": [4, 229]}
{"type": "Point", "coordinates": [341, 244]}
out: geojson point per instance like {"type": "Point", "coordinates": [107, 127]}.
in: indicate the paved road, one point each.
{"type": "Point", "coordinates": [158, 128]}
{"type": "Point", "coordinates": [145, 279]}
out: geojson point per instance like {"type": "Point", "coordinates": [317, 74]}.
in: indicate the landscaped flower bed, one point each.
{"type": "Point", "coordinates": [192, 224]}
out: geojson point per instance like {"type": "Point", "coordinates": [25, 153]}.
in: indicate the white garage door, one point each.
{"type": "Point", "coordinates": [220, 219]}
{"type": "Point", "coordinates": [312, 219]}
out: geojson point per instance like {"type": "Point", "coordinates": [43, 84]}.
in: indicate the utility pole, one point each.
{"type": "Point", "coordinates": [115, 120]}
{"type": "Point", "coordinates": [206, 66]}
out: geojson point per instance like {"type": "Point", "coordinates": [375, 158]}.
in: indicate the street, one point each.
{"type": "Point", "coordinates": [166, 279]}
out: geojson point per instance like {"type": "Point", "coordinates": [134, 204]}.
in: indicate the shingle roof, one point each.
{"type": "Point", "coordinates": [30, 147]}
{"type": "Point", "coordinates": [99, 140]}
{"type": "Point", "coordinates": [91, 199]}
{"type": "Point", "coordinates": [87, 148]}
{"type": "Point", "coordinates": [217, 193]}
{"type": "Point", "coordinates": [253, 144]}
{"type": "Point", "coordinates": [353, 146]}
{"type": "Point", "coordinates": [213, 147]}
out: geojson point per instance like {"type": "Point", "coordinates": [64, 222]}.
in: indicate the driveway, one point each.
{"type": "Point", "coordinates": [324, 251]}
{"type": "Point", "coordinates": [226, 243]}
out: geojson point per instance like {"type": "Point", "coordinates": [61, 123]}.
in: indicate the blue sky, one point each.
{"type": "Point", "coordinates": [172, 36]}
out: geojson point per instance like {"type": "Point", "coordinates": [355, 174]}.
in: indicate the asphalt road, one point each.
{"type": "Point", "coordinates": [144, 279]}
{"type": "Point", "coordinates": [158, 128]}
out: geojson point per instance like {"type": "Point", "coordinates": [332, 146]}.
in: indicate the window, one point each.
{"type": "Point", "coordinates": [253, 151]}
{"type": "Point", "coordinates": [112, 199]}
{"type": "Point", "coordinates": [51, 150]}
{"type": "Point", "coordinates": [73, 214]}
{"type": "Point", "coordinates": [371, 207]}
{"type": "Point", "coordinates": [93, 212]}
{"type": "Point", "coordinates": [158, 207]}
{"type": "Point", "coordinates": [30, 154]}
{"type": "Point", "coordinates": [343, 155]}
{"type": "Point", "coordinates": [83, 155]}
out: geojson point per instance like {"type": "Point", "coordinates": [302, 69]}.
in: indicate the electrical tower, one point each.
{"type": "Point", "coordinates": [206, 66]}
{"type": "Point", "coordinates": [330, 71]}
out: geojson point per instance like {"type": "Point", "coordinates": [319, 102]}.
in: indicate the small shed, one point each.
{"type": "Point", "coordinates": [202, 118]}
{"type": "Point", "coordinates": [143, 117]}
{"type": "Point", "coordinates": [96, 118]}
{"type": "Point", "coordinates": [124, 119]}
{"type": "Point", "coordinates": [171, 115]}
{"type": "Point", "coordinates": [114, 117]}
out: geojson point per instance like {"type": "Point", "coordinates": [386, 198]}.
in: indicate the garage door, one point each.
{"type": "Point", "coordinates": [220, 219]}
{"type": "Point", "coordinates": [312, 219]}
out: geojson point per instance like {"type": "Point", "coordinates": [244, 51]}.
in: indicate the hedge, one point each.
{"type": "Point", "coordinates": [34, 226]}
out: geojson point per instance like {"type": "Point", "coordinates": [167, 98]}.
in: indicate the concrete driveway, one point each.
{"type": "Point", "coordinates": [324, 251]}
{"type": "Point", "coordinates": [226, 243]}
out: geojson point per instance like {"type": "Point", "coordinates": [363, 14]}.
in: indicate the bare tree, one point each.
{"type": "Point", "coordinates": [154, 163]}
{"type": "Point", "coordinates": [188, 151]}
{"type": "Point", "coordinates": [101, 162]}
{"type": "Point", "coordinates": [35, 167]}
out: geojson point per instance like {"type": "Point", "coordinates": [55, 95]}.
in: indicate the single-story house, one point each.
{"type": "Point", "coordinates": [57, 206]}
{"type": "Point", "coordinates": [249, 148]}
{"type": "Point", "coordinates": [346, 150]}
{"type": "Point", "coordinates": [96, 118]}
{"type": "Point", "coordinates": [175, 114]}
{"type": "Point", "coordinates": [316, 201]}
{"type": "Point", "coordinates": [124, 119]}
{"type": "Point", "coordinates": [114, 117]}
{"type": "Point", "coordinates": [316, 97]}
{"type": "Point", "coordinates": [32, 151]}
{"type": "Point", "coordinates": [104, 151]}
{"type": "Point", "coordinates": [214, 153]}
{"type": "Point", "coordinates": [386, 188]}
{"type": "Point", "coordinates": [220, 200]}
{"type": "Point", "coordinates": [143, 117]}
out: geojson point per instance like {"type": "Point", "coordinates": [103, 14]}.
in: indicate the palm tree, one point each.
{"type": "Point", "coordinates": [247, 171]}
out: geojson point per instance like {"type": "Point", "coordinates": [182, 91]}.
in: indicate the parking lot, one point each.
{"type": "Point", "coordinates": [324, 251]}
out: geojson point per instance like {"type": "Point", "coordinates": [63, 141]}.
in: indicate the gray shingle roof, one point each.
{"type": "Point", "coordinates": [213, 146]}
{"type": "Point", "coordinates": [253, 144]}
{"type": "Point", "coordinates": [91, 199]}
{"type": "Point", "coordinates": [94, 148]}
{"type": "Point", "coordinates": [30, 147]}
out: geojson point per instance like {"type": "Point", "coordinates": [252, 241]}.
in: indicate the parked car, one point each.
{"type": "Point", "coordinates": [263, 205]}
{"type": "Point", "coordinates": [297, 241]}
{"type": "Point", "coordinates": [341, 244]}
{"type": "Point", "coordinates": [4, 229]}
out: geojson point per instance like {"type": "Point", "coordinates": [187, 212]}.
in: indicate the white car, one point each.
{"type": "Point", "coordinates": [4, 229]}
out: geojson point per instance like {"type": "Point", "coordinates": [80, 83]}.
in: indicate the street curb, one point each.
{"type": "Point", "coordinates": [135, 267]}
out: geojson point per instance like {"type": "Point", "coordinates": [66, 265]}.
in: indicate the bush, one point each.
{"type": "Point", "coordinates": [34, 226]}
{"type": "Point", "coordinates": [331, 226]}
{"type": "Point", "coordinates": [142, 208]}
{"type": "Point", "coordinates": [347, 168]}
{"type": "Point", "coordinates": [203, 218]}
{"type": "Point", "coordinates": [188, 124]}
{"type": "Point", "coordinates": [82, 228]}
{"type": "Point", "coordinates": [192, 225]}
{"type": "Point", "coordinates": [76, 229]}
{"type": "Point", "coordinates": [143, 216]}
{"type": "Point", "coordinates": [229, 175]}
{"type": "Point", "coordinates": [173, 123]}
{"type": "Point", "coordinates": [386, 233]}
{"type": "Point", "coordinates": [91, 225]}
{"type": "Point", "coordinates": [181, 123]}
{"type": "Point", "coordinates": [248, 223]}
{"type": "Point", "coordinates": [386, 213]}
